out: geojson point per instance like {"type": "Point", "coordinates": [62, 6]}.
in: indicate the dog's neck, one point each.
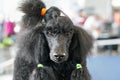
{"type": "Point", "coordinates": [63, 70]}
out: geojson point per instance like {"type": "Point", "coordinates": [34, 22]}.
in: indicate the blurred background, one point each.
{"type": "Point", "coordinates": [100, 18]}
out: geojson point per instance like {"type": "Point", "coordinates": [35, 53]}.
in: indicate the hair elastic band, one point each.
{"type": "Point", "coordinates": [43, 11]}
{"type": "Point", "coordinates": [40, 66]}
{"type": "Point", "coordinates": [78, 66]}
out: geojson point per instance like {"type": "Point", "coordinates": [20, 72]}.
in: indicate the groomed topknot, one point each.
{"type": "Point", "coordinates": [32, 7]}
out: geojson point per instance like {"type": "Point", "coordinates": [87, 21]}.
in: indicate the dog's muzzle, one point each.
{"type": "Point", "coordinates": [58, 58]}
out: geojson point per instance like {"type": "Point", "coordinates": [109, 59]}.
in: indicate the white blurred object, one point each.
{"type": "Point", "coordinates": [6, 63]}
{"type": "Point", "coordinates": [93, 25]}
{"type": "Point", "coordinates": [116, 3]}
{"type": "Point", "coordinates": [6, 77]}
{"type": "Point", "coordinates": [1, 17]}
{"type": "Point", "coordinates": [17, 28]}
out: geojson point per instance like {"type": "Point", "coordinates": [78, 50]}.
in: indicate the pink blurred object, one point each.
{"type": "Point", "coordinates": [9, 27]}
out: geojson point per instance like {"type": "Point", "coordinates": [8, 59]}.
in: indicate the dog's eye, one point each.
{"type": "Point", "coordinates": [71, 30]}
{"type": "Point", "coordinates": [68, 33]}
{"type": "Point", "coordinates": [55, 31]}
{"type": "Point", "coordinates": [48, 32]}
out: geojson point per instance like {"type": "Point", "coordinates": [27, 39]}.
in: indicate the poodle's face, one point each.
{"type": "Point", "coordinates": [58, 33]}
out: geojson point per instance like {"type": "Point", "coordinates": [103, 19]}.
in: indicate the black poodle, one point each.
{"type": "Point", "coordinates": [51, 47]}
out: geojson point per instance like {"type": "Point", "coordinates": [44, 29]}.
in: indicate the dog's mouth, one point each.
{"type": "Point", "coordinates": [58, 58]}
{"type": "Point", "coordinates": [58, 61]}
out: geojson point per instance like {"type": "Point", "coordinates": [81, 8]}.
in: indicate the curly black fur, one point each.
{"type": "Point", "coordinates": [38, 41]}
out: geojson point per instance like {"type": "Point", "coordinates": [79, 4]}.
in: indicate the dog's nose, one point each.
{"type": "Point", "coordinates": [59, 57]}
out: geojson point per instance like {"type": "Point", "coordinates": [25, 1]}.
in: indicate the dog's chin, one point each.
{"type": "Point", "coordinates": [58, 61]}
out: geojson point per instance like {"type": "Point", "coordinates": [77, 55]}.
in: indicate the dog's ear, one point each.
{"type": "Point", "coordinates": [81, 44]}
{"type": "Point", "coordinates": [34, 43]}
{"type": "Point", "coordinates": [32, 10]}
{"type": "Point", "coordinates": [52, 13]}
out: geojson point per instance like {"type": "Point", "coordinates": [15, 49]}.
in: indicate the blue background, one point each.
{"type": "Point", "coordinates": [104, 67]}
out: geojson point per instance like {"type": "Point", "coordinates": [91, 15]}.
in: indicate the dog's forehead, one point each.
{"type": "Point", "coordinates": [63, 22]}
